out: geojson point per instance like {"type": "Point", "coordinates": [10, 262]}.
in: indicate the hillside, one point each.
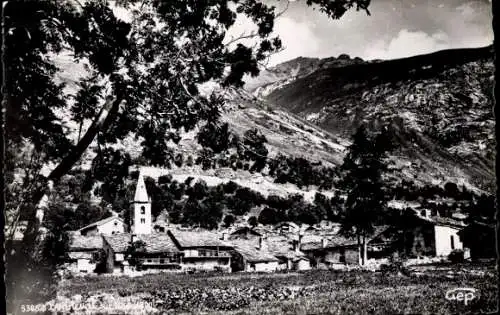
{"type": "Point", "coordinates": [439, 107]}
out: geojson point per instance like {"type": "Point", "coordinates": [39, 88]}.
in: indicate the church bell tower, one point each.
{"type": "Point", "coordinates": [142, 222]}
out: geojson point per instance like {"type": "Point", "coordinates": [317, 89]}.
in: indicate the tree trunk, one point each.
{"type": "Point", "coordinates": [101, 122]}
{"type": "Point", "coordinates": [360, 250]}
{"type": "Point", "coordinates": [365, 250]}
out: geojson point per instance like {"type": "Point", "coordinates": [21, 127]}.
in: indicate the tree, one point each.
{"type": "Point", "coordinates": [252, 221]}
{"type": "Point", "coordinates": [215, 137]}
{"type": "Point", "coordinates": [362, 180]}
{"type": "Point", "coordinates": [254, 149]}
{"type": "Point", "coordinates": [142, 76]}
{"type": "Point", "coordinates": [228, 220]}
{"type": "Point", "coordinates": [268, 216]}
{"type": "Point", "coordinates": [134, 250]}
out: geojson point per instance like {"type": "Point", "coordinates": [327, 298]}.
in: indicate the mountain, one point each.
{"type": "Point", "coordinates": [438, 107]}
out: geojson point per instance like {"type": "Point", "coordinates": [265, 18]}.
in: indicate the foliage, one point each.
{"type": "Point", "coordinates": [252, 221]}
{"type": "Point", "coordinates": [214, 137]}
{"type": "Point", "coordinates": [456, 256]}
{"type": "Point", "coordinates": [268, 215]}
{"type": "Point", "coordinates": [362, 180]}
{"type": "Point", "coordinates": [301, 172]}
{"type": "Point", "coordinates": [362, 172]}
{"type": "Point", "coordinates": [254, 149]}
{"type": "Point", "coordinates": [228, 220]}
{"type": "Point", "coordinates": [134, 250]}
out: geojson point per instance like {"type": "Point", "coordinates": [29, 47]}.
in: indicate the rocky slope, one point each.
{"type": "Point", "coordinates": [439, 107]}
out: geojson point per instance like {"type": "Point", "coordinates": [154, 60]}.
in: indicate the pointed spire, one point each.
{"type": "Point", "coordinates": [141, 194]}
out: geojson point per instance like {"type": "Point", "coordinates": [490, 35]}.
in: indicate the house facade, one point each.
{"type": "Point", "coordinates": [431, 236]}
{"type": "Point", "coordinates": [341, 250]}
{"type": "Point", "coordinates": [251, 255]}
{"type": "Point", "coordinates": [202, 250]}
{"type": "Point", "coordinates": [108, 226]}
{"type": "Point", "coordinates": [84, 254]}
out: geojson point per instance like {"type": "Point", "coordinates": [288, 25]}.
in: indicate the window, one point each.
{"type": "Point", "coordinates": [116, 223]}
{"type": "Point", "coordinates": [452, 242]}
{"type": "Point", "coordinates": [149, 260]}
{"type": "Point", "coordinates": [162, 261]}
{"type": "Point", "coordinates": [143, 220]}
{"type": "Point", "coordinates": [143, 210]}
{"type": "Point", "coordinates": [342, 255]}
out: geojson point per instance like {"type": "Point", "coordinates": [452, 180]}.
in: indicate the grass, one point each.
{"type": "Point", "coordinates": [316, 292]}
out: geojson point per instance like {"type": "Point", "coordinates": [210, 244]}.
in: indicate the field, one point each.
{"type": "Point", "coordinates": [313, 292]}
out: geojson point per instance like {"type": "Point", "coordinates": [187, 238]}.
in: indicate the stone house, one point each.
{"type": "Point", "coordinates": [108, 226]}
{"type": "Point", "coordinates": [431, 236]}
{"type": "Point", "coordinates": [84, 254]}
{"type": "Point", "coordinates": [341, 250]}
{"type": "Point", "coordinates": [159, 252]}
{"type": "Point", "coordinates": [252, 256]}
{"type": "Point", "coordinates": [202, 250]}
{"type": "Point", "coordinates": [288, 252]}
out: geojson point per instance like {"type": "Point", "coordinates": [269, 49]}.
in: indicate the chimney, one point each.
{"type": "Point", "coordinates": [133, 238]}
{"type": "Point", "coordinates": [224, 236]}
{"type": "Point", "coordinates": [324, 241]}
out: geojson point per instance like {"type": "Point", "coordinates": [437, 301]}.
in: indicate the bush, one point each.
{"type": "Point", "coordinates": [456, 256]}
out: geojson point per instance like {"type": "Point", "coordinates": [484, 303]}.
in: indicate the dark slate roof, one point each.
{"type": "Point", "coordinates": [193, 239]}
{"type": "Point", "coordinates": [281, 246]}
{"type": "Point", "coordinates": [448, 222]}
{"type": "Point", "coordinates": [79, 242]}
{"type": "Point", "coordinates": [245, 230]}
{"type": "Point", "coordinates": [155, 243]}
{"type": "Point", "coordinates": [250, 252]}
{"type": "Point", "coordinates": [118, 242]}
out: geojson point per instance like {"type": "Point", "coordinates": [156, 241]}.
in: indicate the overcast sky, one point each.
{"type": "Point", "coordinates": [396, 28]}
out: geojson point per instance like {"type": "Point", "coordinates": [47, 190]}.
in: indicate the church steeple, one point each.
{"type": "Point", "coordinates": [142, 221]}
{"type": "Point", "coordinates": [141, 193]}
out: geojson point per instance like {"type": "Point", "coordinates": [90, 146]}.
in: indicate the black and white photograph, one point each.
{"type": "Point", "coordinates": [249, 157]}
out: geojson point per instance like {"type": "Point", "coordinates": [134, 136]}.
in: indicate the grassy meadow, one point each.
{"type": "Point", "coordinates": [312, 292]}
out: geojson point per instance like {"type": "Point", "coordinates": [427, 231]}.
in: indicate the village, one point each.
{"type": "Point", "coordinates": [110, 246]}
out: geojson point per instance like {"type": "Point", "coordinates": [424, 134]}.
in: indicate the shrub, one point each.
{"type": "Point", "coordinates": [456, 256]}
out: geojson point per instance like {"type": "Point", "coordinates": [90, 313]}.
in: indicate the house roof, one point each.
{"type": "Point", "coordinates": [191, 239]}
{"type": "Point", "coordinates": [281, 246]}
{"type": "Point", "coordinates": [448, 222]}
{"type": "Point", "coordinates": [118, 242]}
{"type": "Point", "coordinates": [80, 255]}
{"type": "Point", "coordinates": [141, 193]}
{"type": "Point", "coordinates": [250, 252]}
{"type": "Point", "coordinates": [339, 240]}
{"type": "Point", "coordinates": [101, 222]}
{"type": "Point", "coordinates": [79, 242]}
{"type": "Point", "coordinates": [155, 243]}
{"type": "Point", "coordinates": [245, 230]}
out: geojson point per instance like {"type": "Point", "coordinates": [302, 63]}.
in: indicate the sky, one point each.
{"type": "Point", "coordinates": [395, 29]}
